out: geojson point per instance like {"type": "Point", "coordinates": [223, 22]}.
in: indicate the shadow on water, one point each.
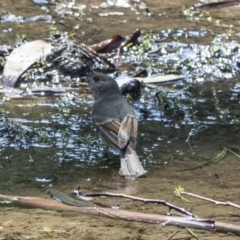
{"type": "Point", "coordinates": [51, 141]}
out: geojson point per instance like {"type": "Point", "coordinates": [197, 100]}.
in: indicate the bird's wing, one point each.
{"type": "Point", "coordinates": [134, 130]}
{"type": "Point", "coordinates": [109, 132]}
{"type": "Point", "coordinates": [127, 131]}
{"type": "Point", "coordinates": [124, 132]}
{"type": "Point", "coordinates": [117, 133]}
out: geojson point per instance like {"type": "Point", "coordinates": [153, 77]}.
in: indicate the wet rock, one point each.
{"type": "Point", "coordinates": [47, 67]}
{"type": "Point", "coordinates": [133, 88]}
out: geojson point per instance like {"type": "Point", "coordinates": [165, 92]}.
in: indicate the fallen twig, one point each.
{"type": "Point", "coordinates": [172, 235]}
{"type": "Point", "coordinates": [145, 200]}
{"type": "Point", "coordinates": [192, 233]}
{"type": "Point", "coordinates": [227, 203]}
{"type": "Point", "coordinates": [217, 4]}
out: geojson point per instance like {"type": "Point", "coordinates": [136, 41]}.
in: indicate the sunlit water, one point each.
{"type": "Point", "coordinates": [51, 141]}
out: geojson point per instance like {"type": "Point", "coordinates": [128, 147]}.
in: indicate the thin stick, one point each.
{"type": "Point", "coordinates": [145, 200]}
{"type": "Point", "coordinates": [227, 203]}
{"type": "Point", "coordinates": [172, 235]}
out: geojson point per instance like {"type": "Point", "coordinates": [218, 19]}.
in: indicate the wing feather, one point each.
{"type": "Point", "coordinates": [109, 132]}
{"type": "Point", "coordinates": [119, 134]}
{"type": "Point", "coordinates": [124, 131]}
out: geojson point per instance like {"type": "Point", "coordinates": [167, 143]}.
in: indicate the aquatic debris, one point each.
{"type": "Point", "coordinates": [65, 56]}
{"type": "Point", "coordinates": [179, 191]}
{"type": "Point", "coordinates": [20, 19]}
{"type": "Point", "coordinates": [46, 91]}
{"type": "Point", "coordinates": [108, 45]}
{"type": "Point", "coordinates": [216, 4]}
{"type": "Point", "coordinates": [219, 157]}
{"type": "Point", "coordinates": [64, 198]}
{"type": "Point", "coordinates": [85, 198]}
{"type": "Point", "coordinates": [22, 58]}
{"type": "Point", "coordinates": [151, 79]}
{"type": "Point", "coordinates": [49, 204]}
{"type": "Point", "coordinates": [43, 180]}
{"type": "Point", "coordinates": [133, 88]}
{"type": "Point", "coordinates": [132, 85]}
{"type": "Point", "coordinates": [44, 2]}
{"type": "Point", "coordinates": [116, 42]}
{"type": "Point", "coordinates": [215, 160]}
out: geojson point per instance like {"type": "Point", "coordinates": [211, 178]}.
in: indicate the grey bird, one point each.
{"type": "Point", "coordinates": [115, 122]}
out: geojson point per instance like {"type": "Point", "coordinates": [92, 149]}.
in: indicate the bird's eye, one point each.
{"type": "Point", "coordinates": [96, 78]}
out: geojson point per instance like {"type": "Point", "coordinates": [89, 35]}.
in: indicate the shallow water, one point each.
{"type": "Point", "coordinates": [68, 152]}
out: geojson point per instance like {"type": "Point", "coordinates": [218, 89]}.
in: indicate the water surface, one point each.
{"type": "Point", "coordinates": [51, 141]}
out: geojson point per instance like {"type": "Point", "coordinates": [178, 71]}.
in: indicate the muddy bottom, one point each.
{"type": "Point", "coordinates": [217, 182]}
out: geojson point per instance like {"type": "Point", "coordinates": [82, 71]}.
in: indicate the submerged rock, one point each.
{"type": "Point", "coordinates": [22, 58]}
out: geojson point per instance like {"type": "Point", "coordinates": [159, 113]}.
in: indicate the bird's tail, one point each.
{"type": "Point", "coordinates": [131, 166]}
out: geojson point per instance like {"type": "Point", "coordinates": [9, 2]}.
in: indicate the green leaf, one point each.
{"type": "Point", "coordinates": [178, 191]}
{"type": "Point", "coordinates": [218, 158]}
{"type": "Point", "coordinates": [238, 156]}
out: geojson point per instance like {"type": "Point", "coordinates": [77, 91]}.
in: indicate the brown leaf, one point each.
{"type": "Point", "coordinates": [116, 42]}
{"type": "Point", "coordinates": [108, 45]}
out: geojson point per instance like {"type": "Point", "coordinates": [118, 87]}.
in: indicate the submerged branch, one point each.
{"type": "Point", "coordinates": [49, 204]}
{"type": "Point", "coordinates": [227, 203]}
{"type": "Point", "coordinates": [145, 200]}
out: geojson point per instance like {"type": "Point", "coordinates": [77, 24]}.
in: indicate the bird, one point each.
{"type": "Point", "coordinates": [115, 121]}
